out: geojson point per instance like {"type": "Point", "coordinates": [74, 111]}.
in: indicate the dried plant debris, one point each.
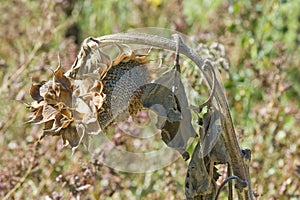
{"type": "Point", "coordinates": [210, 150]}
{"type": "Point", "coordinates": [99, 90]}
{"type": "Point", "coordinates": [52, 106]}
{"type": "Point", "coordinates": [198, 183]}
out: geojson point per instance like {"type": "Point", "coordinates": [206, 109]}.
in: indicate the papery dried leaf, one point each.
{"type": "Point", "coordinates": [37, 115]}
{"type": "Point", "coordinates": [97, 95]}
{"type": "Point", "coordinates": [105, 59]}
{"type": "Point", "coordinates": [58, 124]}
{"type": "Point", "coordinates": [86, 115]}
{"type": "Point", "coordinates": [212, 144]}
{"type": "Point", "coordinates": [168, 130]}
{"type": "Point", "coordinates": [55, 96]}
{"type": "Point", "coordinates": [83, 87]}
{"type": "Point", "coordinates": [67, 113]}
{"type": "Point", "coordinates": [164, 103]}
{"type": "Point", "coordinates": [65, 122]}
{"type": "Point", "coordinates": [47, 126]}
{"type": "Point", "coordinates": [171, 79]}
{"type": "Point", "coordinates": [211, 130]}
{"type": "Point", "coordinates": [98, 87]}
{"type": "Point", "coordinates": [45, 88]}
{"type": "Point", "coordinates": [219, 153]}
{"type": "Point", "coordinates": [198, 182]}
{"type": "Point", "coordinates": [92, 128]}
{"type": "Point", "coordinates": [87, 99]}
{"type": "Point", "coordinates": [202, 174]}
{"type": "Point", "coordinates": [62, 87]}
{"type": "Point", "coordinates": [156, 94]}
{"type": "Point", "coordinates": [82, 131]}
{"type": "Point", "coordinates": [80, 59]}
{"type": "Point", "coordinates": [98, 100]}
{"type": "Point", "coordinates": [37, 111]}
{"type": "Point", "coordinates": [210, 150]}
{"type": "Point", "coordinates": [64, 95]}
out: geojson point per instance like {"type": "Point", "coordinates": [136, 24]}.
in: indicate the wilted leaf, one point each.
{"type": "Point", "coordinates": [210, 150]}
{"type": "Point", "coordinates": [171, 79]}
{"type": "Point", "coordinates": [210, 131]}
{"type": "Point", "coordinates": [198, 182]}
{"type": "Point", "coordinates": [164, 103]}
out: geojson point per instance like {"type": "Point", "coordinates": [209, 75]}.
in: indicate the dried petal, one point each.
{"type": "Point", "coordinates": [70, 136]}
{"type": "Point", "coordinates": [35, 91]}
{"type": "Point", "coordinates": [59, 77]}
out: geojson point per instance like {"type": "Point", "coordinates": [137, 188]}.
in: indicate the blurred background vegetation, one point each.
{"type": "Point", "coordinates": [262, 43]}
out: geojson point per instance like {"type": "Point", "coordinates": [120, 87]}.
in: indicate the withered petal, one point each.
{"type": "Point", "coordinates": [64, 95]}
{"type": "Point", "coordinates": [50, 97]}
{"type": "Point", "coordinates": [47, 127]}
{"type": "Point", "coordinates": [35, 91]}
{"type": "Point", "coordinates": [36, 116]}
{"type": "Point", "coordinates": [71, 136]}
{"type": "Point", "coordinates": [49, 113]}
{"type": "Point", "coordinates": [98, 101]}
{"type": "Point", "coordinates": [67, 113]}
{"type": "Point", "coordinates": [97, 87]}
{"type": "Point", "coordinates": [61, 78]}
{"type": "Point", "coordinates": [105, 58]}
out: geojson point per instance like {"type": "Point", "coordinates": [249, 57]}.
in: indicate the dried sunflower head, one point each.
{"type": "Point", "coordinates": [99, 90]}
{"type": "Point", "coordinates": [90, 96]}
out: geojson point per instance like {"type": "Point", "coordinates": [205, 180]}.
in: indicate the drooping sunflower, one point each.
{"type": "Point", "coordinates": [99, 89]}
{"type": "Point", "coordinates": [91, 95]}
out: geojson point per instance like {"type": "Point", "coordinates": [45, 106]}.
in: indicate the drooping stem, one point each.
{"type": "Point", "coordinates": [238, 166]}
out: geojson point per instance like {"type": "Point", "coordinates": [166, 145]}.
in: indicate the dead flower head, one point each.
{"type": "Point", "coordinates": [77, 103]}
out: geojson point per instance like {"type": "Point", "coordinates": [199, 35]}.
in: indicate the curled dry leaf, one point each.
{"type": "Point", "coordinates": [210, 150]}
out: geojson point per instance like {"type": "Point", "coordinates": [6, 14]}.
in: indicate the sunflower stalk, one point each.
{"type": "Point", "coordinates": [239, 167]}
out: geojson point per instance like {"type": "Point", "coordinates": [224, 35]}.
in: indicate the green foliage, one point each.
{"type": "Point", "coordinates": [262, 43]}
